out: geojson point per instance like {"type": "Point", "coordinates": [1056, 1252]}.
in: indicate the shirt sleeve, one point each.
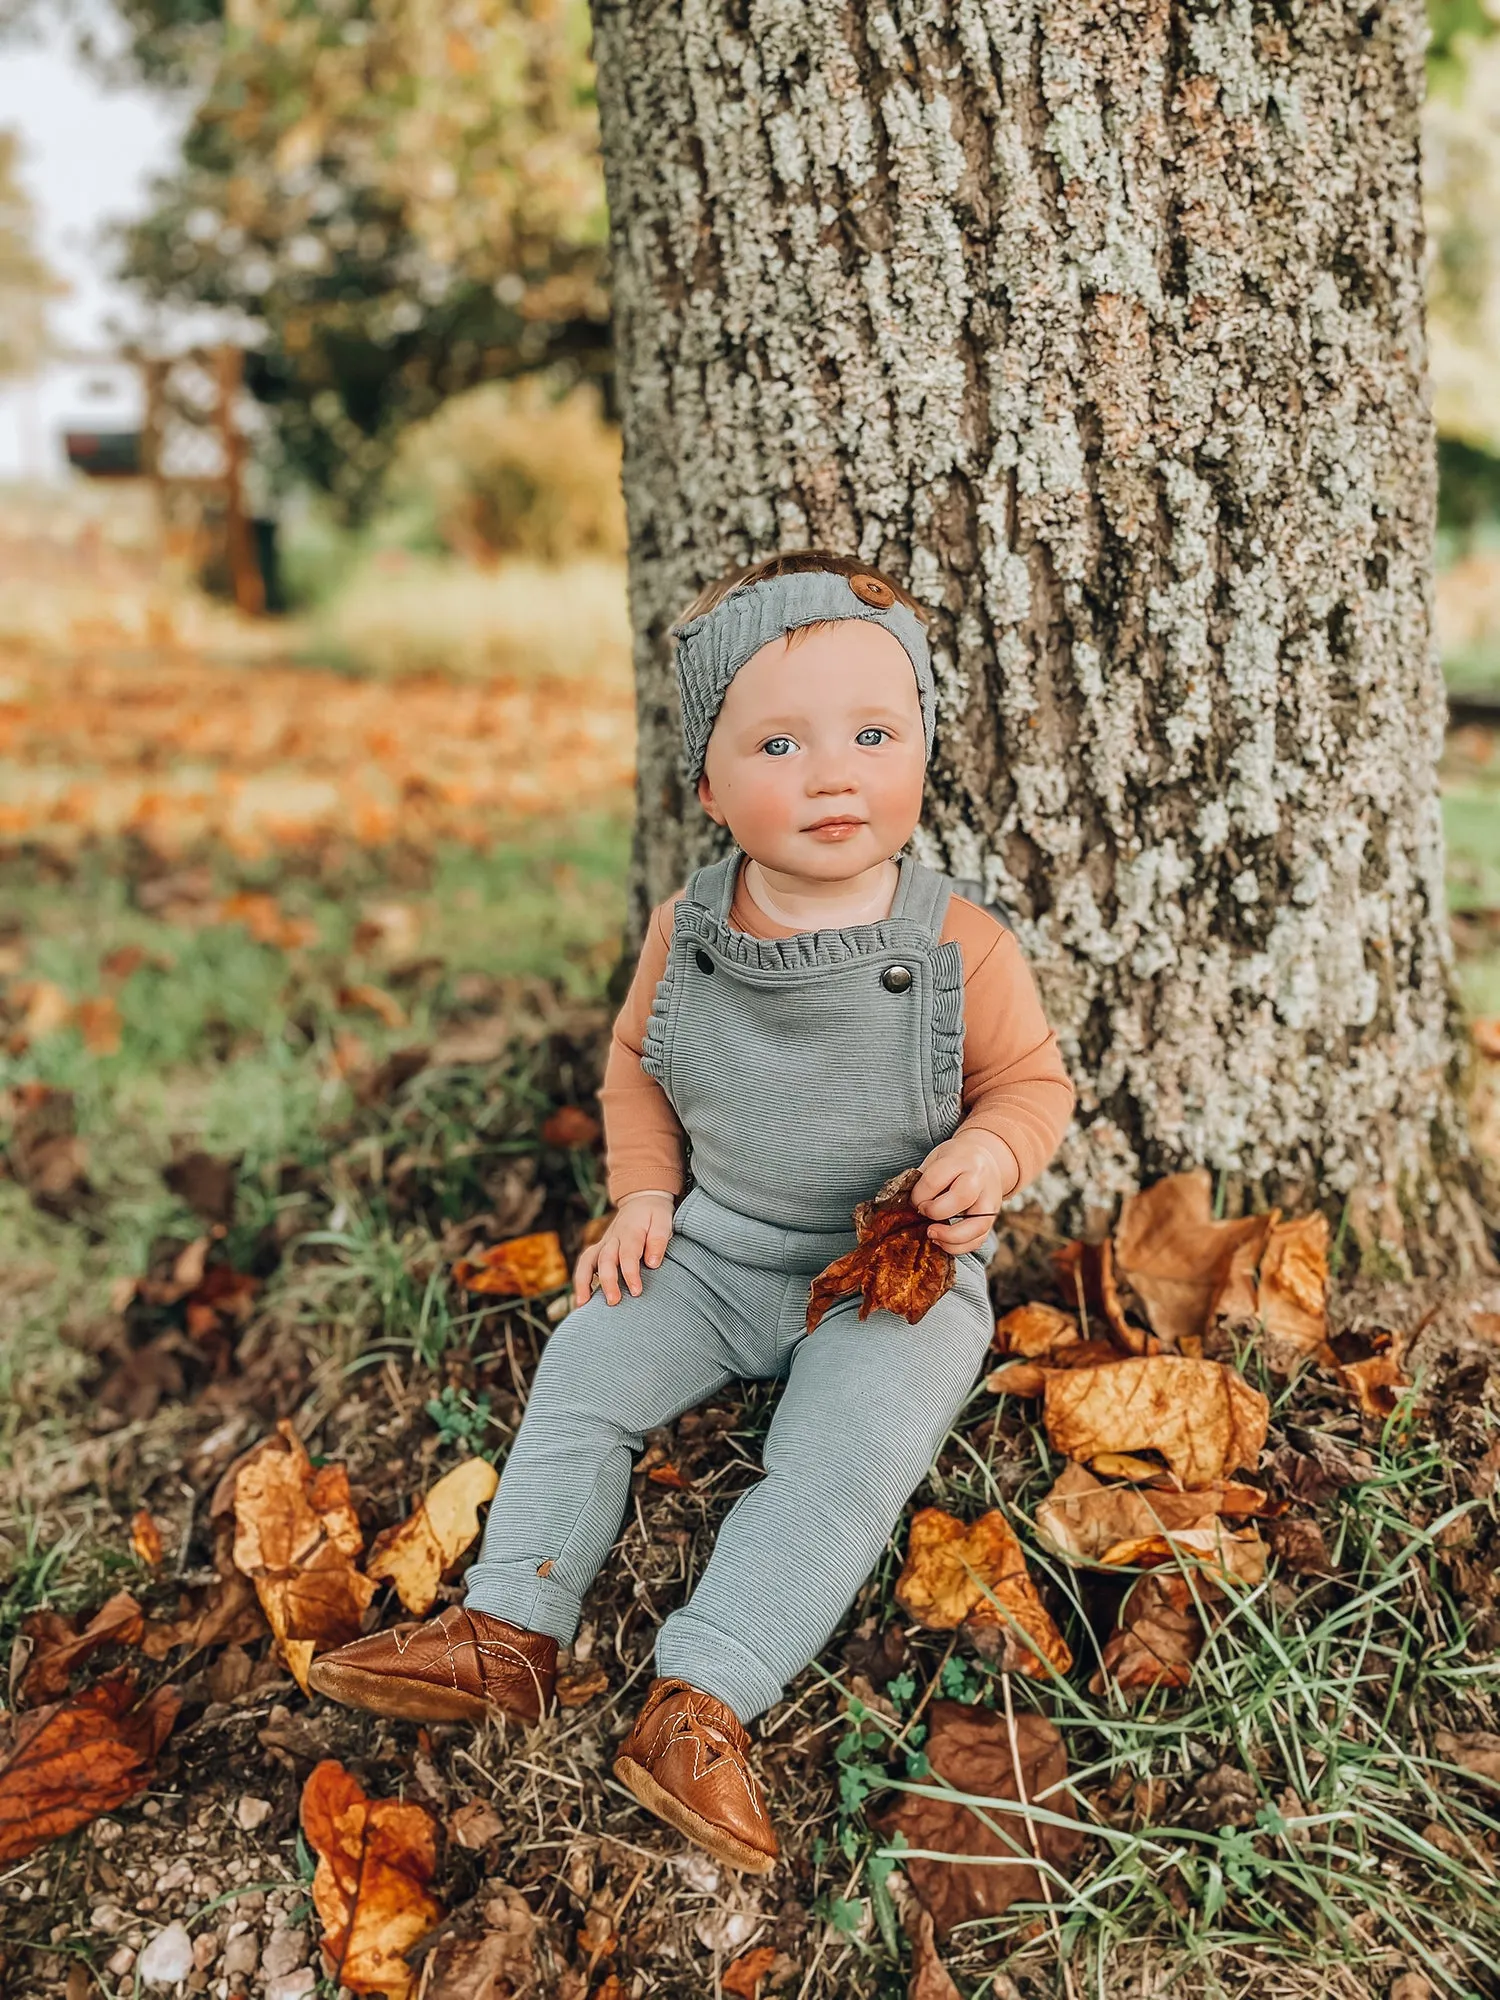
{"type": "Point", "coordinates": [644, 1143]}
{"type": "Point", "coordinates": [1015, 1089]}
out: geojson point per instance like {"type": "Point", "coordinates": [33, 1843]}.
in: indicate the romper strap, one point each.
{"type": "Point", "coordinates": [713, 884]}
{"type": "Point", "coordinates": [923, 898]}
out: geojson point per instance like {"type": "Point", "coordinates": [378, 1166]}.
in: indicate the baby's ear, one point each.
{"type": "Point", "coordinates": [708, 802]}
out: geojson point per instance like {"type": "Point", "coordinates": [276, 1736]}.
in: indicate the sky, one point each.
{"type": "Point", "coordinates": [87, 157]}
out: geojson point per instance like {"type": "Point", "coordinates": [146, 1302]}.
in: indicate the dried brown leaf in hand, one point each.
{"type": "Point", "coordinates": [1204, 1419]}
{"type": "Point", "coordinates": [1081, 1518]}
{"type": "Point", "coordinates": [895, 1265]}
{"type": "Point", "coordinates": [376, 1858]}
{"type": "Point", "coordinates": [525, 1267]}
{"type": "Point", "coordinates": [976, 1574]}
{"type": "Point", "coordinates": [59, 1648]}
{"type": "Point", "coordinates": [970, 1750]}
{"type": "Point", "coordinates": [296, 1534]}
{"type": "Point", "coordinates": [67, 1763]}
{"type": "Point", "coordinates": [415, 1553]}
{"type": "Point", "coordinates": [1175, 1257]}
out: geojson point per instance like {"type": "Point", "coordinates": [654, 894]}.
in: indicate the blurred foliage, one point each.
{"type": "Point", "coordinates": [404, 197]}
{"type": "Point", "coordinates": [1461, 135]}
{"type": "Point", "coordinates": [512, 468]}
{"type": "Point", "coordinates": [25, 282]}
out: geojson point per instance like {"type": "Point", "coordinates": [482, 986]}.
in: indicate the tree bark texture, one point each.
{"type": "Point", "coordinates": [1101, 325]}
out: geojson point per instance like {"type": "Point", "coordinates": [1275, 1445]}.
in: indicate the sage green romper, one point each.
{"type": "Point", "coordinates": [806, 1071]}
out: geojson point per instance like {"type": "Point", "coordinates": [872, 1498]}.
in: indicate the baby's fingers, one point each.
{"type": "Point", "coordinates": [583, 1274]}
{"type": "Point", "coordinates": [657, 1238]}
{"type": "Point", "coordinates": [632, 1242]}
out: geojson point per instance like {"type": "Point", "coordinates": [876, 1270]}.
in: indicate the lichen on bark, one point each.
{"type": "Point", "coordinates": [1102, 325]}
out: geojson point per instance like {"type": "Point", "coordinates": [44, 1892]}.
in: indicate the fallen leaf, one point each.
{"type": "Point", "coordinates": [296, 1534]}
{"type": "Point", "coordinates": [386, 1008]}
{"type": "Point", "coordinates": [60, 1648]}
{"type": "Point", "coordinates": [895, 1266]}
{"type": "Point", "coordinates": [1158, 1636]}
{"type": "Point", "coordinates": [672, 1476]}
{"type": "Point", "coordinates": [1212, 1550]}
{"type": "Point", "coordinates": [1086, 1277]}
{"type": "Point", "coordinates": [204, 1184]}
{"type": "Point", "coordinates": [930, 1978]}
{"type": "Point", "coordinates": [743, 1977]}
{"type": "Point", "coordinates": [69, 1762]}
{"type": "Point", "coordinates": [395, 928]}
{"type": "Point", "coordinates": [1081, 1518]}
{"type": "Point", "coordinates": [145, 1539]}
{"type": "Point", "coordinates": [1369, 1366]}
{"type": "Point", "coordinates": [573, 1690]}
{"type": "Point", "coordinates": [1292, 1295]}
{"type": "Point", "coordinates": [1204, 1419]}
{"type": "Point", "coordinates": [1029, 1378]}
{"type": "Point", "coordinates": [263, 917]}
{"type": "Point", "coordinates": [225, 1613]}
{"type": "Point", "coordinates": [970, 1750]}
{"type": "Point", "coordinates": [48, 1010]}
{"type": "Point", "coordinates": [415, 1553]}
{"type": "Point", "coordinates": [525, 1267]}
{"type": "Point", "coordinates": [1175, 1257]}
{"type": "Point", "coordinates": [1125, 1465]}
{"type": "Point", "coordinates": [475, 1825]}
{"type": "Point", "coordinates": [569, 1125]}
{"type": "Point", "coordinates": [376, 1858]}
{"type": "Point", "coordinates": [1032, 1331]}
{"type": "Point", "coordinates": [1476, 1751]}
{"type": "Point", "coordinates": [1297, 1544]}
{"type": "Point", "coordinates": [45, 1155]}
{"type": "Point", "coordinates": [953, 1575]}
{"type": "Point", "coordinates": [123, 961]}
{"type": "Point", "coordinates": [98, 1021]}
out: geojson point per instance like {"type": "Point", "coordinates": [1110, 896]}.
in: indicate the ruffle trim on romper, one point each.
{"type": "Point", "coordinates": [654, 1039]}
{"type": "Point", "coordinates": [947, 964]}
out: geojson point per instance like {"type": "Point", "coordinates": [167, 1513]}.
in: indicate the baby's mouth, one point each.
{"type": "Point", "coordinates": [843, 823]}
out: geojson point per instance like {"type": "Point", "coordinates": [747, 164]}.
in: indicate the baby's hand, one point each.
{"type": "Point", "coordinates": [642, 1226]}
{"type": "Point", "coordinates": [967, 1177]}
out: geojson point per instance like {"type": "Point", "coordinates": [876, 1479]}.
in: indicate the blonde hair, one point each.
{"type": "Point", "coordinates": [794, 562]}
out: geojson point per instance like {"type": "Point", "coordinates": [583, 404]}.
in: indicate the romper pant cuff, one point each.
{"type": "Point", "coordinates": [689, 1649]}
{"type": "Point", "coordinates": [513, 1591]}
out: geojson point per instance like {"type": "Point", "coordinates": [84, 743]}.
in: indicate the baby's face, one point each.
{"type": "Point", "coordinates": [817, 757]}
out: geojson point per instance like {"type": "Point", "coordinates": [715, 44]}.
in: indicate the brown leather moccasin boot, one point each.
{"type": "Point", "coordinates": [457, 1667]}
{"type": "Point", "coordinates": [687, 1761]}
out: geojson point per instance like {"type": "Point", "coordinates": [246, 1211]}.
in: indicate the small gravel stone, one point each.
{"type": "Point", "coordinates": [177, 1876]}
{"type": "Point", "coordinates": [120, 1961]}
{"type": "Point", "coordinates": [207, 1887]}
{"type": "Point", "coordinates": [205, 1949]}
{"type": "Point", "coordinates": [285, 1951]}
{"type": "Point", "coordinates": [240, 1955]}
{"type": "Point", "coordinates": [292, 1985]}
{"type": "Point", "coordinates": [168, 1959]}
{"type": "Point", "coordinates": [252, 1813]}
{"type": "Point", "coordinates": [108, 1918]}
{"type": "Point", "coordinates": [106, 1832]}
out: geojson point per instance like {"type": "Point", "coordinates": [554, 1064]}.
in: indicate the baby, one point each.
{"type": "Point", "coordinates": [813, 1014]}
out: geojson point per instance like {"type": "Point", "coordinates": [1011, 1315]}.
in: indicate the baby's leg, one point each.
{"type": "Point", "coordinates": [864, 1412]}
{"type": "Point", "coordinates": [608, 1374]}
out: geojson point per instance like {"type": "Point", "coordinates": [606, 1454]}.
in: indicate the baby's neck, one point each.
{"type": "Point", "coordinates": [805, 904]}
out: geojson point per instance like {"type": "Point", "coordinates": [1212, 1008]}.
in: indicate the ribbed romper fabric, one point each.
{"type": "Point", "coordinates": [806, 1071]}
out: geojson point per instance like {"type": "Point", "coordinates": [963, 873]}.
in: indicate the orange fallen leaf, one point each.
{"type": "Point", "coordinates": [145, 1539]}
{"type": "Point", "coordinates": [569, 1125]}
{"type": "Point", "coordinates": [1175, 1257]}
{"type": "Point", "coordinates": [670, 1475]}
{"type": "Point", "coordinates": [374, 1000]}
{"type": "Point", "coordinates": [122, 962]}
{"type": "Point", "coordinates": [59, 1648]}
{"type": "Point", "coordinates": [376, 1858]}
{"type": "Point", "coordinates": [1086, 1276]}
{"type": "Point", "coordinates": [573, 1690]}
{"type": "Point", "coordinates": [1292, 1300]}
{"type": "Point", "coordinates": [1032, 1331]}
{"type": "Point", "coordinates": [525, 1267]}
{"type": "Point", "coordinates": [895, 1266]}
{"type": "Point", "coordinates": [98, 1021]}
{"type": "Point", "coordinates": [1204, 1419]}
{"type": "Point", "coordinates": [1029, 1378]}
{"type": "Point", "coordinates": [69, 1762]}
{"type": "Point", "coordinates": [1370, 1366]}
{"type": "Point", "coordinates": [1083, 1520]}
{"type": "Point", "coordinates": [1158, 1637]}
{"type": "Point", "coordinates": [48, 1009]}
{"type": "Point", "coordinates": [743, 1976]}
{"type": "Point", "coordinates": [295, 1537]}
{"type": "Point", "coordinates": [415, 1553]}
{"type": "Point", "coordinates": [265, 920]}
{"type": "Point", "coordinates": [975, 1574]}
{"type": "Point", "coordinates": [1211, 1549]}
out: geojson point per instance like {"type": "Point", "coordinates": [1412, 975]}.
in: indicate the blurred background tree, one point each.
{"type": "Point", "coordinates": [402, 198]}
{"type": "Point", "coordinates": [26, 284]}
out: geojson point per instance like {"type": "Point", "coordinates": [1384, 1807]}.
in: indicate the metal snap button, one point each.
{"type": "Point", "coordinates": [896, 978]}
{"type": "Point", "coordinates": [705, 963]}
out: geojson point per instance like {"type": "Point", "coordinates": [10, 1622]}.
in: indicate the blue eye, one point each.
{"type": "Point", "coordinates": [873, 730]}
{"type": "Point", "coordinates": [769, 746]}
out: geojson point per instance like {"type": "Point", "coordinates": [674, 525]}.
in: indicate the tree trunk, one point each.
{"type": "Point", "coordinates": [1101, 326]}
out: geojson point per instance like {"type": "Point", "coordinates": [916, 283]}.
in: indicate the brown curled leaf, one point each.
{"type": "Point", "coordinates": [1204, 1418]}
{"type": "Point", "coordinates": [65, 1764]}
{"type": "Point", "coordinates": [1175, 1256]}
{"type": "Point", "coordinates": [975, 1574]}
{"type": "Point", "coordinates": [1086, 1278]}
{"type": "Point", "coordinates": [376, 1859]}
{"type": "Point", "coordinates": [415, 1554]}
{"type": "Point", "coordinates": [895, 1265]}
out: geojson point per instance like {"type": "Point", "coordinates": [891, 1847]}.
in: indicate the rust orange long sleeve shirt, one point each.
{"type": "Point", "coordinates": [1015, 1089]}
